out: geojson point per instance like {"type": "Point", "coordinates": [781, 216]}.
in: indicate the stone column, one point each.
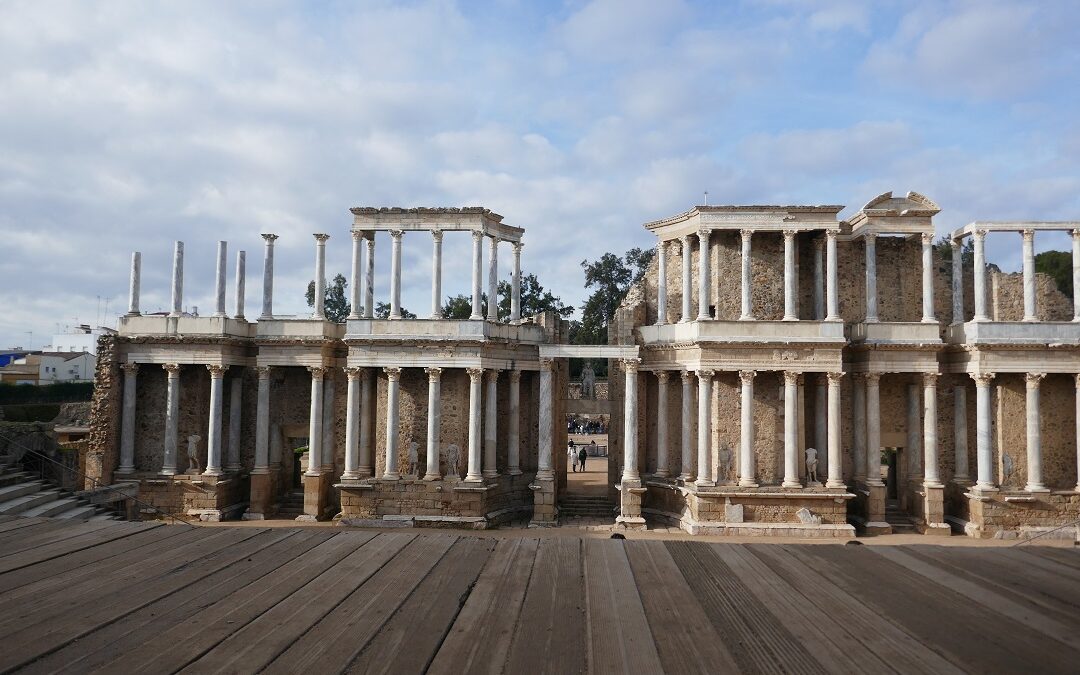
{"type": "Point", "coordinates": [931, 469]}
{"type": "Point", "coordinates": [241, 283]}
{"type": "Point", "coordinates": [914, 448]}
{"type": "Point", "coordinates": [127, 419]}
{"type": "Point", "coordinates": [475, 474]}
{"type": "Point", "coordinates": [858, 426]}
{"type": "Point", "coordinates": [704, 428]}
{"type": "Point", "coordinates": [367, 399]}
{"type": "Point", "coordinates": [1077, 398]}
{"type": "Point", "coordinates": [791, 428]}
{"type": "Point", "coordinates": [477, 275]}
{"type": "Point", "coordinates": [1029, 275]}
{"type": "Point", "coordinates": [356, 293]}
{"type": "Point", "coordinates": [661, 283]}
{"type": "Point", "coordinates": [262, 423]}
{"type": "Point", "coordinates": [960, 433]}
{"type": "Point", "coordinates": [315, 419]}
{"type": "Point", "coordinates": [320, 278]}
{"type": "Point", "coordinates": [268, 276]}
{"type": "Point", "coordinates": [177, 279]}
{"type": "Point", "coordinates": [819, 279]}
{"type": "Point", "coordinates": [662, 470]}
{"type": "Point", "coordinates": [687, 473]}
{"type": "Point", "coordinates": [832, 296]}
{"type": "Point", "coordinates": [836, 466]}
{"type": "Point", "coordinates": [790, 282]}
{"type": "Point", "coordinates": [515, 285]}
{"type": "Point", "coordinates": [393, 398]}
{"type": "Point", "coordinates": [821, 416]}
{"type": "Point", "coordinates": [513, 426]}
{"type": "Point", "coordinates": [434, 419]}
{"type": "Point", "coordinates": [746, 308]}
{"type": "Point", "coordinates": [213, 435]}
{"type": "Point", "coordinates": [687, 275]}
{"type": "Point", "coordinates": [395, 274]}
{"type": "Point", "coordinates": [630, 411]}
{"type": "Point", "coordinates": [704, 276]}
{"type": "Point", "coordinates": [328, 422]}
{"type": "Point", "coordinates": [276, 441]}
{"type": "Point", "coordinates": [369, 279]}
{"type": "Point", "coordinates": [747, 469]}
{"type": "Point", "coordinates": [544, 465]}
{"type": "Point", "coordinates": [870, 242]}
{"type": "Point", "coordinates": [352, 415]}
{"type": "Point", "coordinates": [436, 274]}
{"type": "Point", "coordinates": [219, 279]}
{"type": "Point", "coordinates": [983, 451]}
{"type": "Point", "coordinates": [1034, 435]}
{"type": "Point", "coordinates": [957, 281]}
{"type": "Point", "coordinates": [873, 430]}
{"type": "Point", "coordinates": [133, 289]}
{"type": "Point", "coordinates": [980, 276]}
{"type": "Point", "coordinates": [1076, 273]}
{"type": "Point", "coordinates": [928, 278]}
{"type": "Point", "coordinates": [232, 462]}
{"type": "Point", "coordinates": [491, 416]}
{"type": "Point", "coordinates": [172, 418]}
{"type": "Point", "coordinates": [493, 279]}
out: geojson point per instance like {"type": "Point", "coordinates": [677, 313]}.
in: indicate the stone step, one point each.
{"type": "Point", "coordinates": [78, 513]}
{"type": "Point", "coordinates": [14, 477]}
{"type": "Point", "coordinates": [19, 489]}
{"type": "Point", "coordinates": [26, 502]}
{"type": "Point", "coordinates": [104, 516]}
{"type": "Point", "coordinates": [52, 508]}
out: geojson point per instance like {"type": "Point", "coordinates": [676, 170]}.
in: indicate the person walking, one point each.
{"type": "Point", "coordinates": [571, 454]}
{"type": "Point", "coordinates": [582, 454]}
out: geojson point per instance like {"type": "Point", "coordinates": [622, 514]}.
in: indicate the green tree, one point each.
{"type": "Point", "coordinates": [335, 303]}
{"type": "Point", "coordinates": [460, 306]}
{"type": "Point", "coordinates": [967, 250]}
{"type": "Point", "coordinates": [1057, 264]}
{"type": "Point", "coordinates": [382, 311]}
{"type": "Point", "coordinates": [534, 299]}
{"type": "Point", "coordinates": [610, 277]}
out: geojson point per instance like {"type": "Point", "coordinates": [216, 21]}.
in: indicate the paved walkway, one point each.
{"type": "Point", "coordinates": [143, 597]}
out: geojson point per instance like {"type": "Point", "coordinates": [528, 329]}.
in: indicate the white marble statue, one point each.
{"type": "Point", "coordinates": [811, 465]}
{"type": "Point", "coordinates": [413, 457]}
{"type": "Point", "coordinates": [588, 382]}
{"type": "Point", "coordinates": [193, 454]}
{"type": "Point", "coordinates": [723, 462]}
{"type": "Point", "coordinates": [453, 459]}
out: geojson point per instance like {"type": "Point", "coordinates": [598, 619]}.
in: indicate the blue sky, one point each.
{"type": "Point", "coordinates": [125, 126]}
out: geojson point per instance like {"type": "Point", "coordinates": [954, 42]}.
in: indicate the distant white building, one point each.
{"type": "Point", "coordinates": [50, 367]}
{"type": "Point", "coordinates": [82, 339]}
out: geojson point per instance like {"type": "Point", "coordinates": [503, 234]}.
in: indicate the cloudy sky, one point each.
{"type": "Point", "coordinates": [127, 125]}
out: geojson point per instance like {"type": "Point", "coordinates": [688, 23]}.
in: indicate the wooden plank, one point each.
{"type": "Point", "coordinates": [1020, 555]}
{"type": "Point", "coordinates": [67, 530]}
{"type": "Point", "coordinates": [408, 641]}
{"type": "Point", "coordinates": [552, 619]}
{"type": "Point", "coordinates": [63, 547]}
{"type": "Point", "coordinates": [15, 540]}
{"type": "Point", "coordinates": [17, 522]}
{"type": "Point", "coordinates": [1069, 557]}
{"type": "Point", "coordinates": [684, 636]}
{"type": "Point", "coordinates": [491, 611]}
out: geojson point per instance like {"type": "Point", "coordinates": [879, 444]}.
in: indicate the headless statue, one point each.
{"type": "Point", "coordinates": [413, 458]}
{"type": "Point", "coordinates": [811, 465]}
{"type": "Point", "coordinates": [193, 454]}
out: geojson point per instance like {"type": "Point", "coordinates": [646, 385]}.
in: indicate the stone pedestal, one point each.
{"type": "Point", "coordinates": [875, 510]}
{"type": "Point", "coordinates": [545, 514]}
{"type": "Point", "coordinates": [630, 498]}
{"type": "Point", "coordinates": [933, 511]}
{"type": "Point", "coordinates": [316, 497]}
{"type": "Point", "coordinates": [261, 501]}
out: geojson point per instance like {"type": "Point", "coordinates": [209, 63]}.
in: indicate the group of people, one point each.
{"type": "Point", "coordinates": [582, 425]}
{"type": "Point", "coordinates": [576, 455]}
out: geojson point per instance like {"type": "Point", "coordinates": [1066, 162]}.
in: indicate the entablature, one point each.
{"type": "Point", "coordinates": [465, 219]}
{"type": "Point", "coordinates": [755, 218]}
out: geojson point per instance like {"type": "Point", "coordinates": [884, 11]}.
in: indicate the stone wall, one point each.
{"type": "Point", "coordinates": [1057, 428]}
{"type": "Point", "coordinates": [1007, 298]}
{"type": "Point", "coordinates": [1012, 511]}
{"type": "Point", "coordinates": [436, 503]}
{"type": "Point", "coordinates": [103, 453]}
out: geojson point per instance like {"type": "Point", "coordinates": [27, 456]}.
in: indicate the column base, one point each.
{"type": "Point", "coordinates": [350, 475]}
{"type": "Point", "coordinates": [686, 477]}
{"type": "Point", "coordinates": [982, 487]}
{"type": "Point", "coordinates": [1038, 487]}
{"type": "Point", "coordinates": [791, 484]}
{"type": "Point", "coordinates": [833, 318]}
{"type": "Point", "coordinates": [473, 478]}
{"type": "Point", "coordinates": [366, 471]}
{"type": "Point", "coordinates": [662, 473]}
{"type": "Point", "coordinates": [704, 483]}
{"type": "Point", "coordinates": [490, 474]}
{"type": "Point", "coordinates": [168, 472]}
{"type": "Point", "coordinates": [390, 476]}
{"type": "Point", "coordinates": [125, 470]}
{"type": "Point", "coordinates": [213, 472]}
{"type": "Point", "coordinates": [790, 318]}
{"type": "Point", "coordinates": [432, 476]}
{"type": "Point", "coordinates": [514, 471]}
{"type": "Point", "coordinates": [748, 483]}
{"type": "Point", "coordinates": [832, 484]}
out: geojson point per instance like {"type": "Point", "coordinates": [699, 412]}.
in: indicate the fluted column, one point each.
{"type": "Point", "coordinates": [477, 276]}
{"type": "Point", "coordinates": [133, 288]}
{"type": "Point", "coordinates": [747, 468]}
{"type": "Point", "coordinates": [928, 278]}
{"type": "Point", "coordinates": [931, 467]}
{"type": "Point", "coordinates": [241, 283]}
{"type": "Point", "coordinates": [367, 422]}
{"type": "Point", "coordinates": [393, 411]}
{"type": "Point", "coordinates": [819, 279]}
{"type": "Point", "coordinates": [232, 462]}
{"type": "Point", "coordinates": [395, 274]}
{"type": "Point", "coordinates": [262, 422]}
{"type": "Point", "coordinates": [791, 429]}
{"type": "Point", "coordinates": [858, 426]}
{"type": "Point", "coordinates": [835, 467]}
{"type": "Point", "coordinates": [1034, 434]}
{"type": "Point", "coordinates": [219, 279]}
{"type": "Point", "coordinates": [960, 433]}
{"type": "Point", "coordinates": [127, 419]}
{"type": "Point", "coordinates": [434, 422]}
{"type": "Point", "coordinates": [662, 470]}
{"type": "Point", "coordinates": [515, 284]}
{"type": "Point", "coordinates": [832, 296]}
{"type": "Point", "coordinates": [513, 426]}
{"type": "Point", "coordinates": [493, 279]}
{"type": "Point", "coordinates": [630, 410]}
{"type": "Point", "coordinates": [544, 470]}
{"type": "Point", "coordinates": [177, 280]}
{"type": "Point", "coordinates": [704, 428]}
{"type": "Point", "coordinates": [870, 242]}
{"type": "Point", "coordinates": [983, 450]}
{"type": "Point", "coordinates": [356, 292]}
{"type": "Point", "coordinates": [979, 237]}
{"type": "Point", "coordinates": [957, 280]}
{"type": "Point", "coordinates": [661, 283]}
{"type": "Point", "coordinates": [704, 276]}
{"type": "Point", "coordinates": [213, 435]}
{"type": "Point", "coordinates": [790, 282]}
{"type": "Point", "coordinates": [687, 275]}
{"type": "Point", "coordinates": [1029, 275]}
{"type": "Point", "coordinates": [436, 274]}
{"type": "Point", "coordinates": [172, 418]}
{"type": "Point", "coordinates": [873, 430]}
{"type": "Point", "coordinates": [320, 280]}
{"type": "Point", "coordinates": [914, 450]}
{"type": "Point", "coordinates": [1076, 273]}
{"type": "Point", "coordinates": [686, 448]}
{"type": "Point", "coordinates": [369, 278]}
{"type": "Point", "coordinates": [491, 416]}
{"type": "Point", "coordinates": [475, 473]}
{"type": "Point", "coordinates": [268, 276]}
{"type": "Point", "coordinates": [746, 312]}
{"type": "Point", "coordinates": [315, 420]}
{"type": "Point", "coordinates": [352, 415]}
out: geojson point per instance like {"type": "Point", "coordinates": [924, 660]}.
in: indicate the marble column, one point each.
{"type": "Point", "coordinates": [395, 273]}
{"type": "Point", "coordinates": [493, 279]}
{"type": "Point", "coordinates": [262, 422]}
{"type": "Point", "coordinates": [747, 469]}
{"type": "Point", "coordinates": [1029, 275]}
{"type": "Point", "coordinates": [704, 276]}
{"type": "Point", "coordinates": [276, 441]}
{"type": "Point", "coordinates": [393, 412]}
{"type": "Point", "coordinates": [434, 422]}
{"type": "Point", "coordinates": [914, 450]}
{"type": "Point", "coordinates": [1076, 273]}
{"type": "Point", "coordinates": [133, 288]}
{"type": "Point", "coordinates": [268, 276]}
{"type": "Point", "coordinates": [315, 420]}
{"type": "Point", "coordinates": [873, 430]}
{"type": "Point", "coordinates": [367, 422]}
{"type": "Point", "coordinates": [475, 473]}
{"type": "Point", "coordinates": [960, 433]}
{"type": "Point", "coordinates": [127, 419]}
{"type": "Point", "coordinates": [513, 426]}
{"type": "Point", "coordinates": [369, 278]}
{"type": "Point", "coordinates": [957, 281]}
{"type": "Point", "coordinates": [329, 415]}
{"type": "Point", "coordinates": [687, 275]}
{"type": "Point", "coordinates": [791, 313]}
{"type": "Point", "coordinates": [931, 467]}
{"type": "Point", "coordinates": [979, 237]}
{"type": "Point", "coordinates": [928, 278]}
{"type": "Point", "coordinates": [544, 469]}
{"type": "Point", "coordinates": [821, 416]}
{"type": "Point", "coordinates": [491, 416]}
{"type": "Point", "coordinates": [984, 467]}
{"type": "Point", "coordinates": [241, 283]}
{"type": "Point", "coordinates": [352, 415]}
{"type": "Point", "coordinates": [320, 278]}
{"type": "Point", "coordinates": [704, 428]}
{"type": "Point", "coordinates": [832, 295]}
{"type": "Point", "coordinates": [172, 418]}
{"type": "Point", "coordinates": [858, 426]}
{"type": "Point", "coordinates": [232, 461]}
{"type": "Point", "coordinates": [356, 292]}
{"type": "Point", "coordinates": [791, 429]}
{"type": "Point", "coordinates": [746, 307]}
{"type": "Point", "coordinates": [477, 276]}
{"type": "Point", "coordinates": [630, 412]}
{"type": "Point", "coordinates": [436, 274]}
{"type": "Point", "coordinates": [219, 279]}
{"type": "Point", "coordinates": [687, 399]}
{"type": "Point", "coordinates": [662, 470]}
{"type": "Point", "coordinates": [515, 284]}
{"type": "Point", "coordinates": [1077, 404]}
{"type": "Point", "coordinates": [835, 467]}
{"type": "Point", "coordinates": [819, 279]}
{"type": "Point", "coordinates": [661, 283]}
{"type": "Point", "coordinates": [1034, 434]}
{"type": "Point", "coordinates": [213, 434]}
{"type": "Point", "coordinates": [177, 280]}
{"type": "Point", "coordinates": [870, 242]}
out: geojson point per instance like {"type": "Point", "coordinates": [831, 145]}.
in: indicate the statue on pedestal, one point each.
{"type": "Point", "coordinates": [193, 454]}
{"type": "Point", "coordinates": [811, 466]}
{"type": "Point", "coordinates": [723, 463]}
{"type": "Point", "coordinates": [413, 458]}
{"type": "Point", "coordinates": [588, 382]}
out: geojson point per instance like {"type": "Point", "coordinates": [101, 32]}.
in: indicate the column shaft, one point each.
{"type": "Point", "coordinates": [931, 469]}
{"type": "Point", "coordinates": [1077, 404]}
{"type": "Point", "coordinates": [1034, 434]}
{"type": "Point", "coordinates": [687, 275]}
{"type": "Point", "coordinates": [356, 293]}
{"type": "Point", "coordinates": [790, 311]}
{"type": "Point", "coordinates": [352, 408]}
{"type": "Point", "coordinates": [213, 435]}
{"type": "Point", "coordinates": [475, 473]}
{"type": "Point", "coordinates": [747, 469]}
{"type": "Point", "coordinates": [320, 278]}
{"type": "Point", "coordinates": [960, 432]}
{"type": "Point", "coordinates": [870, 242]}
{"type": "Point", "coordinates": [821, 430]}
{"type": "Point", "coordinates": [436, 274]}
{"type": "Point", "coordinates": [687, 400]}
{"type": "Point", "coordinates": [172, 418]}
{"type": "Point", "coordinates": [268, 276]}
{"type": "Point", "coordinates": [1029, 275]}
{"type": "Point", "coordinates": [219, 278]}
{"type": "Point", "coordinates": [367, 422]}
{"type": "Point", "coordinates": [434, 402]}
{"type": "Point", "coordinates": [491, 416]}
{"type": "Point", "coordinates": [832, 297]}
{"type": "Point", "coordinates": [515, 285]}
{"type": "Point", "coordinates": [630, 444]}
{"type": "Point", "coordinates": [914, 449]}
{"type": "Point", "coordinates": [262, 423]}
{"type": "Point", "coordinates": [513, 426]}
{"type": "Point", "coordinates": [746, 309]}
{"type": "Point", "coordinates": [661, 283]}
{"type": "Point", "coordinates": [177, 279]}
{"type": "Point", "coordinates": [133, 289]}
{"type": "Point", "coordinates": [232, 462]}
{"type": "Point", "coordinates": [980, 276]}
{"type": "Point", "coordinates": [493, 279]}
{"type": "Point", "coordinates": [241, 283]}
{"type": "Point", "coordinates": [315, 419]}
{"type": "Point", "coordinates": [957, 281]}
{"type": "Point", "coordinates": [791, 430]}
{"type": "Point", "coordinates": [835, 467]}
{"type": "Point", "coordinates": [858, 427]}
{"type": "Point", "coordinates": [704, 428]}
{"type": "Point", "coordinates": [393, 398]}
{"type": "Point", "coordinates": [127, 420]}
{"type": "Point", "coordinates": [395, 274]}
{"type": "Point", "coordinates": [544, 434]}
{"type": "Point", "coordinates": [873, 430]}
{"type": "Point", "coordinates": [477, 275]}
{"type": "Point", "coordinates": [983, 450]}
{"type": "Point", "coordinates": [369, 278]}
{"type": "Point", "coordinates": [1076, 273]}
{"type": "Point", "coordinates": [704, 276]}
{"type": "Point", "coordinates": [928, 278]}
{"type": "Point", "coordinates": [819, 280]}
{"type": "Point", "coordinates": [329, 414]}
{"type": "Point", "coordinates": [662, 470]}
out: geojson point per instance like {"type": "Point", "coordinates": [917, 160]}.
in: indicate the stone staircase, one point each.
{"type": "Point", "coordinates": [292, 504]}
{"type": "Point", "coordinates": [586, 506]}
{"type": "Point", "coordinates": [22, 494]}
{"type": "Point", "coordinates": [900, 522]}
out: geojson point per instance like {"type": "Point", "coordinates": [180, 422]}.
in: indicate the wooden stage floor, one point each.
{"type": "Point", "coordinates": [149, 598]}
